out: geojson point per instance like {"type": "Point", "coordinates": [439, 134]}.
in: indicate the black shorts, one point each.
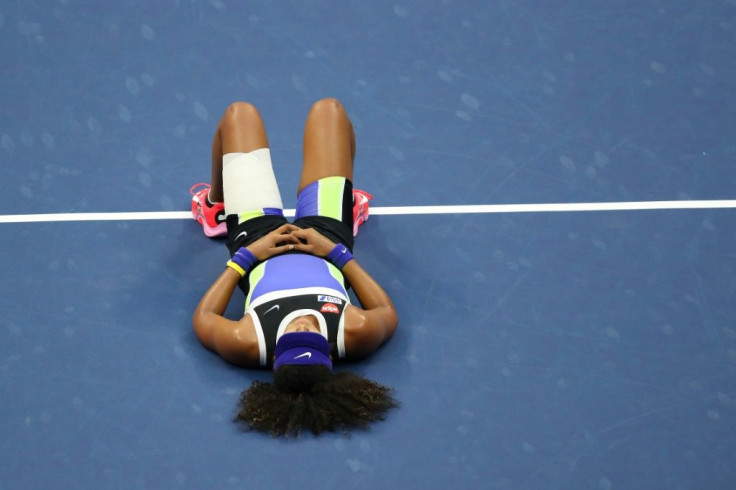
{"type": "Point", "coordinates": [247, 232]}
{"type": "Point", "coordinates": [242, 232]}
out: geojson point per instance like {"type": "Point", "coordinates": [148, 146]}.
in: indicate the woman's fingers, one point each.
{"type": "Point", "coordinates": [277, 249]}
{"type": "Point", "coordinates": [286, 229]}
{"type": "Point", "coordinates": [303, 247]}
{"type": "Point", "coordinates": [283, 234]}
{"type": "Point", "coordinates": [289, 237]}
{"type": "Point", "coordinates": [303, 234]}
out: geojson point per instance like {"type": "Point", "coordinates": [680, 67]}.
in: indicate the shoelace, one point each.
{"type": "Point", "coordinates": [194, 189]}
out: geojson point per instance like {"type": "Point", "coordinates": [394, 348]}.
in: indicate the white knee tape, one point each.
{"type": "Point", "coordinates": [249, 183]}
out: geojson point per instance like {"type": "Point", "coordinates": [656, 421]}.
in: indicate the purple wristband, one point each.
{"type": "Point", "coordinates": [339, 256]}
{"type": "Point", "coordinates": [244, 259]}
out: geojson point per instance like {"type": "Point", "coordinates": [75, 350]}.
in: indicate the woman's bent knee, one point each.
{"type": "Point", "coordinates": [238, 112]}
{"type": "Point", "coordinates": [329, 106]}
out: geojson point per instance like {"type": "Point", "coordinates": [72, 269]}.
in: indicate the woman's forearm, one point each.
{"type": "Point", "coordinates": [370, 294]}
{"type": "Point", "coordinates": [217, 297]}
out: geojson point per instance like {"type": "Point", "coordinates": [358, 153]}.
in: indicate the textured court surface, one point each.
{"type": "Point", "coordinates": [535, 350]}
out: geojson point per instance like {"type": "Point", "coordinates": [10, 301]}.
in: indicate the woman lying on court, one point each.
{"type": "Point", "coordinates": [298, 317]}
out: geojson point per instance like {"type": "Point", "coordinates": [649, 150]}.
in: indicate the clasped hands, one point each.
{"type": "Point", "coordinates": [289, 237]}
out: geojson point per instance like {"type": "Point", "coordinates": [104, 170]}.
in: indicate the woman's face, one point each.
{"type": "Point", "coordinates": [305, 323]}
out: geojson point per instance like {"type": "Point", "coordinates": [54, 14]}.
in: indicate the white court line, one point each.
{"type": "Point", "coordinates": [399, 210]}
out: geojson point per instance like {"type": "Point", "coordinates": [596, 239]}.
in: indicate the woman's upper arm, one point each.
{"type": "Point", "coordinates": [235, 341]}
{"type": "Point", "coordinates": [366, 330]}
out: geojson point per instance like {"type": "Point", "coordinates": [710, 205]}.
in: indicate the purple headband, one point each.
{"type": "Point", "coordinates": [302, 349]}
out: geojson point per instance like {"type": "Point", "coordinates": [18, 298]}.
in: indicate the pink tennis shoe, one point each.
{"type": "Point", "coordinates": [212, 218]}
{"type": "Point", "coordinates": [360, 209]}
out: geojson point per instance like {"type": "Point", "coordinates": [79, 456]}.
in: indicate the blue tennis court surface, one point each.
{"type": "Point", "coordinates": [566, 350]}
